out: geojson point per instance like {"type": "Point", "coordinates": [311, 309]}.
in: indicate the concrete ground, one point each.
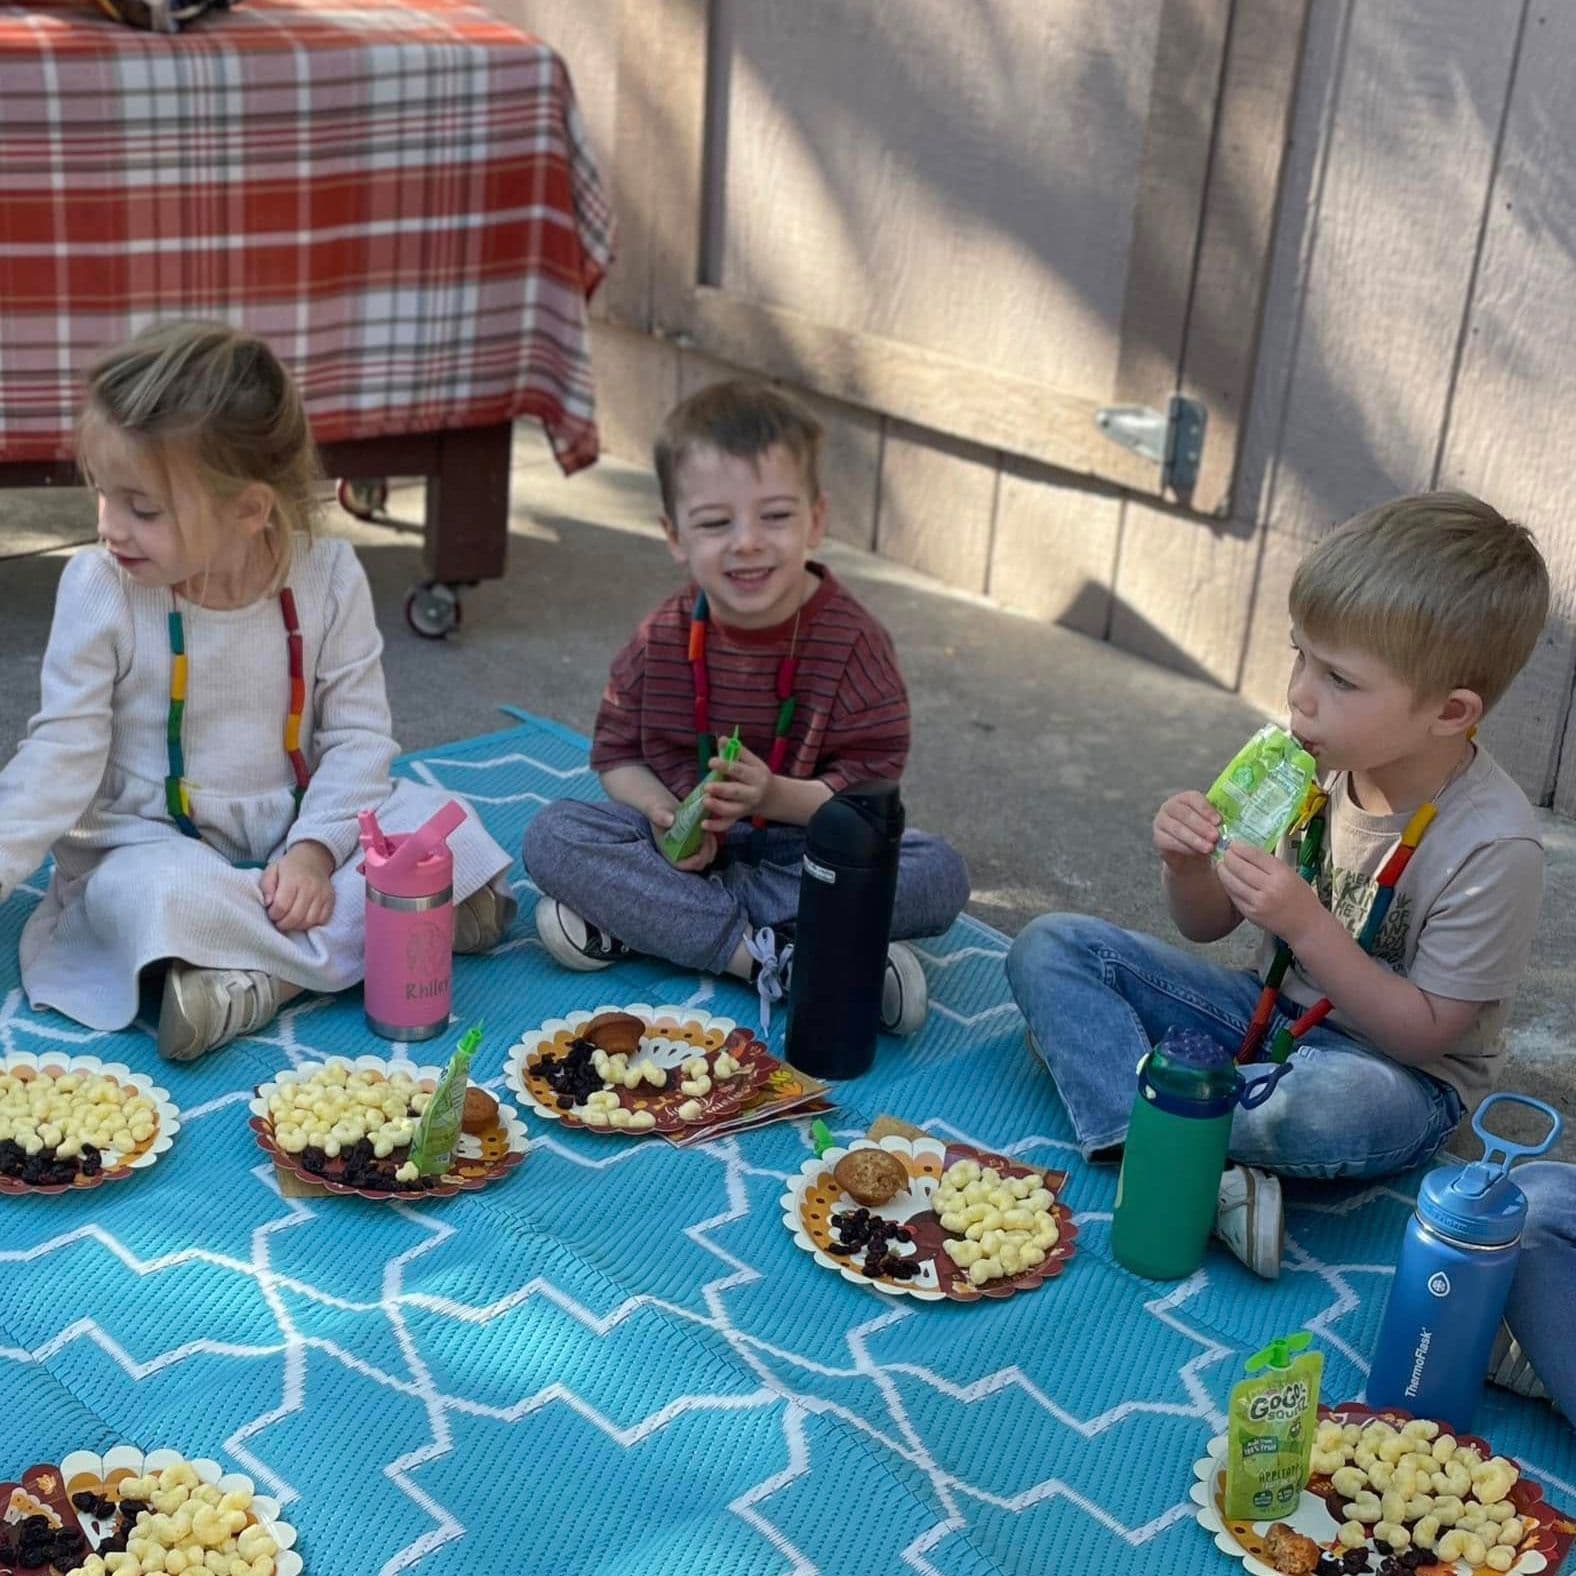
{"type": "Point", "coordinates": [1042, 754]}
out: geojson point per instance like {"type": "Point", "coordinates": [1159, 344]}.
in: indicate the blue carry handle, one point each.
{"type": "Point", "coordinates": [1255, 1091]}
{"type": "Point", "coordinates": [1509, 1153]}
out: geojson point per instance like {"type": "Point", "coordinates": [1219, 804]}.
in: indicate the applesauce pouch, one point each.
{"type": "Point", "coordinates": [683, 837]}
{"type": "Point", "coordinates": [1270, 1423]}
{"type": "Point", "coordinates": [1263, 789]}
{"type": "Point", "coordinates": [438, 1129]}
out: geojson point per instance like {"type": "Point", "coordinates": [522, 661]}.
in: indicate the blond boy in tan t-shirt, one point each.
{"type": "Point", "coordinates": [1409, 623]}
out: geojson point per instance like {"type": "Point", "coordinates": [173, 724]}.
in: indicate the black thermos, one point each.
{"type": "Point", "coordinates": [840, 940]}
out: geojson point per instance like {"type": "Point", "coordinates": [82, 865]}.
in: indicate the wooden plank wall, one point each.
{"type": "Point", "coordinates": [1419, 330]}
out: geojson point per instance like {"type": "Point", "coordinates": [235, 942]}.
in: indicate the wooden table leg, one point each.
{"type": "Point", "coordinates": [468, 506]}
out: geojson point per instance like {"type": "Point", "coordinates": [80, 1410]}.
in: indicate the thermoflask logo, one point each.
{"type": "Point", "coordinates": [1439, 1284]}
{"type": "Point", "coordinates": [1420, 1357]}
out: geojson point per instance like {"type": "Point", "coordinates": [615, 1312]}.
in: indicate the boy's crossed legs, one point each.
{"type": "Point", "coordinates": [1097, 997]}
{"type": "Point", "coordinates": [599, 861]}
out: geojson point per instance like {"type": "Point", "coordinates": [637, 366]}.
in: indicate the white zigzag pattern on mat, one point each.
{"type": "Point", "coordinates": [772, 1366]}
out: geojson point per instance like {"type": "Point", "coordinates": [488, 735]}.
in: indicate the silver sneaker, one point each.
{"type": "Point", "coordinates": [905, 997]}
{"type": "Point", "coordinates": [1509, 1368]}
{"type": "Point", "coordinates": [483, 919]}
{"type": "Point", "coordinates": [1250, 1220]}
{"type": "Point", "coordinates": [206, 1008]}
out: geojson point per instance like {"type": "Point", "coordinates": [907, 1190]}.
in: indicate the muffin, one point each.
{"type": "Point", "coordinates": [481, 1111]}
{"type": "Point", "coordinates": [870, 1176]}
{"type": "Point", "coordinates": [617, 1033]}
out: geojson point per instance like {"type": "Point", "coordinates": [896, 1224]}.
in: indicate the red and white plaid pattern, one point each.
{"type": "Point", "coordinates": [397, 194]}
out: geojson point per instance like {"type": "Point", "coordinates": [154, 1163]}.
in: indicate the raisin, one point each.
{"type": "Point", "coordinates": [314, 1160]}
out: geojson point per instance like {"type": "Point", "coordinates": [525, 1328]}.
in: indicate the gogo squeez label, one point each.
{"type": "Point", "coordinates": [1270, 1429]}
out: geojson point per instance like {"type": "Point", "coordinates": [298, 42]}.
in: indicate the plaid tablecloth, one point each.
{"type": "Point", "coordinates": [398, 194]}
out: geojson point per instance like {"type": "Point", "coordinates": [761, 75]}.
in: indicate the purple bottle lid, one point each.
{"type": "Point", "coordinates": [1189, 1066]}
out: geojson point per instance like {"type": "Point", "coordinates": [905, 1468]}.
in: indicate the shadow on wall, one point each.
{"type": "Point", "coordinates": [1340, 418]}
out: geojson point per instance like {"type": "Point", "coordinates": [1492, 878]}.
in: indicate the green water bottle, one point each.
{"type": "Point", "coordinates": [1188, 1087]}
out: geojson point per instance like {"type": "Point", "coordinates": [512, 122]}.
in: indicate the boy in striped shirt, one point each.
{"type": "Point", "coordinates": [743, 511]}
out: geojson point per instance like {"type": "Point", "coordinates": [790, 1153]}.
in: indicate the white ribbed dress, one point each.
{"type": "Point", "coordinates": [88, 782]}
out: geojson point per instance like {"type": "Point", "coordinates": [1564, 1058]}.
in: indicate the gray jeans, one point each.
{"type": "Point", "coordinates": [600, 860]}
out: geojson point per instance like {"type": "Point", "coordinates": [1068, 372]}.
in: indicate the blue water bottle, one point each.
{"type": "Point", "coordinates": [1451, 1281]}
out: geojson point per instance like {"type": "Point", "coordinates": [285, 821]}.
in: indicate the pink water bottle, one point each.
{"type": "Point", "coordinates": [410, 926]}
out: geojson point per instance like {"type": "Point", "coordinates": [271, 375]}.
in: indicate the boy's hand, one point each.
{"type": "Point", "coordinates": [298, 889]}
{"type": "Point", "coordinates": [661, 819]}
{"type": "Point", "coordinates": [1269, 892]}
{"type": "Point", "coordinates": [739, 792]}
{"type": "Point", "coordinates": [1187, 827]}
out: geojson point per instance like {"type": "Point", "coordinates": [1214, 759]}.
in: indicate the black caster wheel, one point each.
{"type": "Point", "coordinates": [432, 609]}
{"type": "Point", "coordinates": [366, 499]}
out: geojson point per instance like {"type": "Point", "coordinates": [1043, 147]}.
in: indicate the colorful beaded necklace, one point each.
{"type": "Point", "coordinates": [1316, 825]}
{"type": "Point", "coordinates": [177, 797]}
{"type": "Point", "coordinates": [705, 738]}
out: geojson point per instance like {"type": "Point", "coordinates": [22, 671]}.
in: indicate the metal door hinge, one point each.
{"type": "Point", "coordinates": [1174, 440]}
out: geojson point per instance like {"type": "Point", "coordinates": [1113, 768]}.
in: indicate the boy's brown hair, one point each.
{"type": "Point", "coordinates": [1440, 586]}
{"type": "Point", "coordinates": [743, 418]}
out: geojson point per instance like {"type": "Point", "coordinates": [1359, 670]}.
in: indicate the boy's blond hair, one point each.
{"type": "Point", "coordinates": [216, 404]}
{"type": "Point", "coordinates": [1441, 587]}
{"type": "Point", "coordinates": [743, 418]}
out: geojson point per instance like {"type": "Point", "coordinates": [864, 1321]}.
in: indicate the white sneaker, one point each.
{"type": "Point", "coordinates": [905, 997]}
{"type": "Point", "coordinates": [203, 1009]}
{"type": "Point", "coordinates": [575, 942]}
{"type": "Point", "coordinates": [482, 919]}
{"type": "Point", "coordinates": [1509, 1368]}
{"type": "Point", "coordinates": [1250, 1221]}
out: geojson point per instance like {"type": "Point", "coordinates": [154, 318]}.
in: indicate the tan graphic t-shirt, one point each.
{"type": "Point", "coordinates": [1464, 914]}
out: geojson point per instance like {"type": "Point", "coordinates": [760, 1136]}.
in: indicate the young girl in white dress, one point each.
{"type": "Point", "coordinates": [213, 716]}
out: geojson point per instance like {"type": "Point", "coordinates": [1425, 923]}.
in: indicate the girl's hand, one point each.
{"type": "Point", "coordinates": [298, 889]}
{"type": "Point", "coordinates": [661, 820]}
{"type": "Point", "coordinates": [738, 794]}
{"type": "Point", "coordinates": [1187, 827]}
{"type": "Point", "coordinates": [1269, 892]}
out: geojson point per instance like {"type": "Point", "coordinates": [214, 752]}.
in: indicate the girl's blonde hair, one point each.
{"type": "Point", "coordinates": [217, 403]}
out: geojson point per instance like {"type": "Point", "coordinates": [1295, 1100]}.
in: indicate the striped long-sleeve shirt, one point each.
{"type": "Point", "coordinates": [851, 723]}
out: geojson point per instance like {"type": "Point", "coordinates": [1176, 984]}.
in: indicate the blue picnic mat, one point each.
{"type": "Point", "coordinates": [616, 1361]}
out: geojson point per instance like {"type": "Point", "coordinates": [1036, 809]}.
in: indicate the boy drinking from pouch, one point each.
{"type": "Point", "coordinates": [1409, 622]}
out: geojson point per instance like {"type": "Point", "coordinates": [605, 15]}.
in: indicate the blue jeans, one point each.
{"type": "Point", "coordinates": [1539, 1313]}
{"type": "Point", "coordinates": [1098, 997]}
